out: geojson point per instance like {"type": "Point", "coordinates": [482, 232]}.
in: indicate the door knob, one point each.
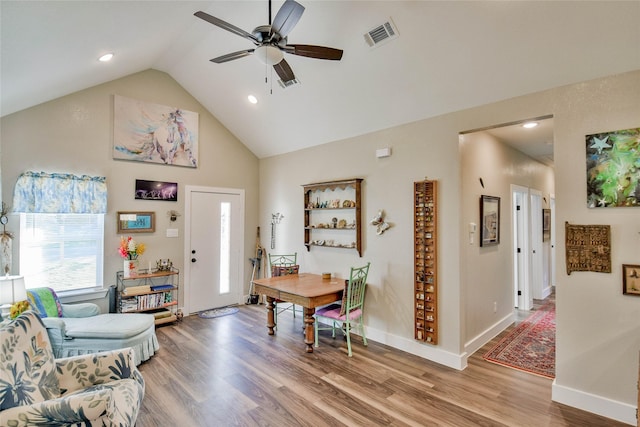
{"type": "Point", "coordinates": [193, 251]}
{"type": "Point", "coordinates": [193, 260]}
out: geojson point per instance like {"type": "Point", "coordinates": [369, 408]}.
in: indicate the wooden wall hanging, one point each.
{"type": "Point", "coordinates": [588, 248]}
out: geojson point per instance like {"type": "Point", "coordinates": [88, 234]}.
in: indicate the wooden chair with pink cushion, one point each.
{"type": "Point", "coordinates": [349, 312]}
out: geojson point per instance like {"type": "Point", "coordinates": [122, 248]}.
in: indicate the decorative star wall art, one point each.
{"type": "Point", "coordinates": [613, 169]}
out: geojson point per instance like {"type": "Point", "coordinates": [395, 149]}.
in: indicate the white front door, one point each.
{"type": "Point", "coordinates": [213, 247]}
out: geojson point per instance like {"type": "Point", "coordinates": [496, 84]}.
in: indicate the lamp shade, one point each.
{"type": "Point", "coordinates": [268, 55]}
{"type": "Point", "coordinates": [12, 289]}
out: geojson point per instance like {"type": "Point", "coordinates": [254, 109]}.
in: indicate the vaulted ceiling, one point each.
{"type": "Point", "coordinates": [449, 56]}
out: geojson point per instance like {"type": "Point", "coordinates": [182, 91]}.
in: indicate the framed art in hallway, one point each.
{"type": "Point", "coordinates": [631, 279]}
{"type": "Point", "coordinates": [546, 224]}
{"type": "Point", "coordinates": [490, 220]}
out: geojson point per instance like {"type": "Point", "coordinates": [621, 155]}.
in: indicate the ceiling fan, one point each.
{"type": "Point", "coordinates": [271, 40]}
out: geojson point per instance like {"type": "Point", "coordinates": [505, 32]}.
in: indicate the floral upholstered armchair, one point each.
{"type": "Point", "coordinates": [36, 389]}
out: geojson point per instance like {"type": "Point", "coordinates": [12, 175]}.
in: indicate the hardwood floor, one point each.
{"type": "Point", "coordinates": [228, 372]}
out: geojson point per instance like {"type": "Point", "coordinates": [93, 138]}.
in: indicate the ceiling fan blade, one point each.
{"type": "Point", "coordinates": [284, 71]}
{"type": "Point", "coordinates": [287, 18]}
{"type": "Point", "coordinates": [226, 26]}
{"type": "Point", "coordinates": [311, 51]}
{"type": "Point", "coordinates": [231, 56]}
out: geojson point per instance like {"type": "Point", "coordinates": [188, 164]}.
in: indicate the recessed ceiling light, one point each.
{"type": "Point", "coordinates": [530, 125]}
{"type": "Point", "coordinates": [106, 57]}
{"type": "Point", "coordinates": [252, 99]}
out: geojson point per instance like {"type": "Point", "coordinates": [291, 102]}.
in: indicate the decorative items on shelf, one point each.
{"type": "Point", "coordinates": [337, 224]}
{"type": "Point", "coordinates": [324, 211]}
{"type": "Point", "coordinates": [333, 244]}
{"type": "Point", "coordinates": [331, 204]}
{"type": "Point", "coordinates": [425, 248]}
{"type": "Point", "coordinates": [129, 249]}
{"type": "Point", "coordinates": [164, 265]}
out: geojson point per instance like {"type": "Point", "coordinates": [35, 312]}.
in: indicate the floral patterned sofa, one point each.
{"type": "Point", "coordinates": [103, 389]}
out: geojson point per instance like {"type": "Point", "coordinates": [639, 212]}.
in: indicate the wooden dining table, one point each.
{"type": "Point", "coordinates": [304, 289]}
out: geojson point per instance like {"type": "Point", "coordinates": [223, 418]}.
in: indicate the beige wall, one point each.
{"type": "Point", "coordinates": [597, 327]}
{"type": "Point", "coordinates": [73, 134]}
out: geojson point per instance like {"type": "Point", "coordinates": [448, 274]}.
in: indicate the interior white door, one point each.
{"type": "Point", "coordinates": [520, 214]}
{"type": "Point", "coordinates": [537, 265]}
{"type": "Point", "coordinates": [214, 245]}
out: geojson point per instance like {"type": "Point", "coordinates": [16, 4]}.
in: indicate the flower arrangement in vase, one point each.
{"type": "Point", "coordinates": [129, 249]}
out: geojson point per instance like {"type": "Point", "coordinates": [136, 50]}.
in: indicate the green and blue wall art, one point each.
{"type": "Point", "coordinates": [613, 169]}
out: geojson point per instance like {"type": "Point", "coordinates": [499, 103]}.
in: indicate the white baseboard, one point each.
{"type": "Point", "coordinates": [480, 340]}
{"type": "Point", "coordinates": [427, 351]}
{"type": "Point", "coordinates": [618, 411]}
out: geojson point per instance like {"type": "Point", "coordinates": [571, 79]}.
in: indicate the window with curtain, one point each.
{"type": "Point", "coordinates": [61, 230]}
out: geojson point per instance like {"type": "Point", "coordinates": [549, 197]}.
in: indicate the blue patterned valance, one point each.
{"type": "Point", "coordinates": [40, 192]}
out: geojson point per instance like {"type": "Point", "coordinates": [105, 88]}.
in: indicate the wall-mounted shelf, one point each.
{"type": "Point", "coordinates": [332, 215]}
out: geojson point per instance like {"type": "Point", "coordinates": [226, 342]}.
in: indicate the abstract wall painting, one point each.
{"type": "Point", "coordinates": [613, 169]}
{"type": "Point", "coordinates": [154, 133]}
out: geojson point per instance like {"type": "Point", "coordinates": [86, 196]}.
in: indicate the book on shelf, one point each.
{"type": "Point", "coordinates": [164, 287]}
{"type": "Point", "coordinates": [135, 290]}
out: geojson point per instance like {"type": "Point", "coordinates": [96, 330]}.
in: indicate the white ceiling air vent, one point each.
{"type": "Point", "coordinates": [289, 83]}
{"type": "Point", "coordinates": [381, 34]}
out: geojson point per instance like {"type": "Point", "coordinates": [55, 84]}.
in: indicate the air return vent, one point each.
{"type": "Point", "coordinates": [289, 83]}
{"type": "Point", "coordinates": [381, 34]}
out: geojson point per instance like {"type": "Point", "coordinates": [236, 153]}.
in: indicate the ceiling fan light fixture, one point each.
{"type": "Point", "coordinates": [252, 99]}
{"type": "Point", "coordinates": [268, 55]}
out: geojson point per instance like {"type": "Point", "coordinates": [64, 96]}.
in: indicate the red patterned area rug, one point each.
{"type": "Point", "coordinates": [531, 346]}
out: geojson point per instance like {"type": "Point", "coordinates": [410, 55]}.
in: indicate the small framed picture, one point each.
{"type": "Point", "coordinates": [631, 279]}
{"type": "Point", "coordinates": [490, 220]}
{"type": "Point", "coordinates": [136, 222]}
{"type": "Point", "coordinates": [546, 224]}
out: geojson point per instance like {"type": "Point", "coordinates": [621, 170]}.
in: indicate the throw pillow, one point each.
{"type": "Point", "coordinates": [27, 365]}
{"type": "Point", "coordinates": [45, 302]}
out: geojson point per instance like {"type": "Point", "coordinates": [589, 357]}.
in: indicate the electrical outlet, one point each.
{"type": "Point", "coordinates": [495, 306]}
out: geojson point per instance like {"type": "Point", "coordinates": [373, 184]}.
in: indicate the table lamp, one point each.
{"type": "Point", "coordinates": [12, 290]}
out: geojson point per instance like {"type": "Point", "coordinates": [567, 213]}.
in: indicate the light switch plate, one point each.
{"type": "Point", "coordinates": [172, 232]}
